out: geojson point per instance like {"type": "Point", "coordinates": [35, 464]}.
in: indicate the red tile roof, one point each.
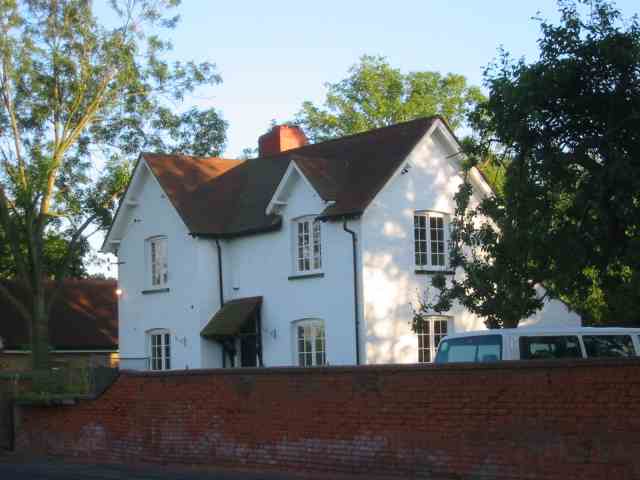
{"type": "Point", "coordinates": [227, 198]}
{"type": "Point", "coordinates": [85, 317]}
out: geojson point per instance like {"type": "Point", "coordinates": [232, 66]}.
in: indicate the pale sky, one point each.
{"type": "Point", "coordinates": [273, 55]}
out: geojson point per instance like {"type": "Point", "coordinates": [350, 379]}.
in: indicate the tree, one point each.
{"type": "Point", "coordinates": [54, 251]}
{"type": "Point", "coordinates": [569, 214]}
{"type": "Point", "coordinates": [72, 91]}
{"type": "Point", "coordinates": [374, 95]}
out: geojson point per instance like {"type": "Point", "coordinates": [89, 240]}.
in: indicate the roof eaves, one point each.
{"type": "Point", "coordinates": [120, 203]}
{"type": "Point", "coordinates": [241, 233]}
{"type": "Point", "coordinates": [348, 214]}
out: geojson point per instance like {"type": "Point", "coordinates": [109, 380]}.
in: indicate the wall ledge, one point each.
{"type": "Point", "coordinates": [416, 368]}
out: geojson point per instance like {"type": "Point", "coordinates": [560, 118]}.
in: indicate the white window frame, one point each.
{"type": "Point", "coordinates": [310, 355]}
{"type": "Point", "coordinates": [159, 352]}
{"type": "Point", "coordinates": [157, 271]}
{"type": "Point", "coordinates": [418, 235]}
{"type": "Point", "coordinates": [429, 338]}
{"type": "Point", "coordinates": [307, 258]}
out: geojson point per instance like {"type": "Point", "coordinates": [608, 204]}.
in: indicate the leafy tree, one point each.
{"type": "Point", "coordinates": [375, 94]}
{"type": "Point", "coordinates": [569, 214]}
{"type": "Point", "coordinates": [71, 91]}
{"type": "Point", "coordinates": [55, 249]}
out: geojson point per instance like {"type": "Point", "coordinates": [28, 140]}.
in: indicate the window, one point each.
{"type": "Point", "coordinates": [160, 349]}
{"type": "Point", "coordinates": [430, 332]}
{"type": "Point", "coordinates": [430, 240]}
{"type": "Point", "coordinates": [308, 245]}
{"type": "Point", "coordinates": [481, 348]}
{"type": "Point", "coordinates": [158, 264]}
{"type": "Point", "coordinates": [535, 348]}
{"type": "Point", "coordinates": [310, 341]}
{"type": "Point", "coordinates": [608, 346]}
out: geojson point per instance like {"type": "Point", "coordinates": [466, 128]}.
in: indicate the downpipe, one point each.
{"type": "Point", "coordinates": [356, 310]}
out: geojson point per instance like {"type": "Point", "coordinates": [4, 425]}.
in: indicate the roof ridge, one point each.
{"type": "Point", "coordinates": [352, 135]}
{"type": "Point", "coordinates": [196, 157]}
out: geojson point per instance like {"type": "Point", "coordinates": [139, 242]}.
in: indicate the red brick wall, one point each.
{"type": "Point", "coordinates": [511, 420]}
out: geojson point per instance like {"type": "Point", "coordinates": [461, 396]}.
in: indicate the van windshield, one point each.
{"type": "Point", "coordinates": [481, 348]}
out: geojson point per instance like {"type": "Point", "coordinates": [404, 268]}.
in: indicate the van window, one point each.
{"type": "Point", "coordinates": [482, 348]}
{"type": "Point", "coordinates": [608, 345]}
{"type": "Point", "coordinates": [534, 348]}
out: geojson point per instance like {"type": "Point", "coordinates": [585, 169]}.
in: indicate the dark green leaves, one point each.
{"type": "Point", "coordinates": [565, 132]}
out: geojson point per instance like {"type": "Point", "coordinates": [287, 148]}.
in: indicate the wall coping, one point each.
{"type": "Point", "coordinates": [404, 368]}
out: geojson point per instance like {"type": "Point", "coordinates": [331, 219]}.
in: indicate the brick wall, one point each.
{"type": "Point", "coordinates": [8, 387]}
{"type": "Point", "coordinates": [510, 420]}
{"type": "Point", "coordinates": [21, 362]}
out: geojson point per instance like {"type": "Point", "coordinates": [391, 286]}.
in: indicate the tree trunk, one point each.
{"type": "Point", "coordinates": [39, 331]}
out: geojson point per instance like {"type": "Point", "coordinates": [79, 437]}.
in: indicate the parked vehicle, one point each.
{"type": "Point", "coordinates": [533, 344]}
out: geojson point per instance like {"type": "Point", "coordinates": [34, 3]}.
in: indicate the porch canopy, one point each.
{"type": "Point", "coordinates": [231, 318]}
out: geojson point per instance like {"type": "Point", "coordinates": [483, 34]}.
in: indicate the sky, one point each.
{"type": "Point", "coordinates": [273, 55]}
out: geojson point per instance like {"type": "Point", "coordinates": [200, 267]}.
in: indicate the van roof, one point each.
{"type": "Point", "coordinates": [549, 331]}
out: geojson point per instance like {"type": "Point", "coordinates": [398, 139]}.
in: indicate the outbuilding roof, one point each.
{"type": "Point", "coordinates": [84, 317]}
{"type": "Point", "coordinates": [226, 198]}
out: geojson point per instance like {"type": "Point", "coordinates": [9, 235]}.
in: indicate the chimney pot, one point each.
{"type": "Point", "coordinates": [281, 138]}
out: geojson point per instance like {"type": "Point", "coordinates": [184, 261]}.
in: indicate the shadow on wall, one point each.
{"type": "Point", "coordinates": [393, 289]}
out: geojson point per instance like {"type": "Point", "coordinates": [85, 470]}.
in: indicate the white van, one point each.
{"type": "Point", "coordinates": [533, 344]}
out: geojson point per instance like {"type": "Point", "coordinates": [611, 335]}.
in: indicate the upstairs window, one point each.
{"type": "Point", "coordinates": [157, 261]}
{"type": "Point", "coordinates": [431, 240]}
{"type": "Point", "coordinates": [308, 245]}
{"type": "Point", "coordinates": [160, 349]}
{"type": "Point", "coordinates": [430, 333]}
{"type": "Point", "coordinates": [310, 343]}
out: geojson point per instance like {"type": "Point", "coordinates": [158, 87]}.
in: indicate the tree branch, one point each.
{"type": "Point", "coordinates": [8, 105]}
{"type": "Point", "coordinates": [66, 143]}
{"type": "Point", "coordinates": [61, 272]}
{"type": "Point", "coordinates": [13, 238]}
{"type": "Point", "coordinates": [18, 305]}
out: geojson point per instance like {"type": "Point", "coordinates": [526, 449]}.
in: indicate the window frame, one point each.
{"type": "Point", "coordinates": [309, 323]}
{"type": "Point", "coordinates": [432, 347]}
{"type": "Point", "coordinates": [165, 346]}
{"type": "Point", "coordinates": [314, 239]}
{"type": "Point", "coordinates": [446, 235]}
{"type": "Point", "coordinates": [151, 246]}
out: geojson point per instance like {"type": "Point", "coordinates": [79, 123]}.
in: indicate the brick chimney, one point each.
{"type": "Point", "coordinates": [281, 138]}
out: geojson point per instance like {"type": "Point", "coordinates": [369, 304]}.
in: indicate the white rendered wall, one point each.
{"type": "Point", "coordinates": [260, 265]}
{"type": "Point", "coordinates": [192, 282]}
{"type": "Point", "coordinates": [391, 288]}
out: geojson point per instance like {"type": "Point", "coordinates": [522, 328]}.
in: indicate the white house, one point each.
{"type": "Point", "coordinates": [310, 254]}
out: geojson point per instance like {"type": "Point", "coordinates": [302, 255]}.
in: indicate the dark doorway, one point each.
{"type": "Point", "coordinates": [249, 344]}
{"type": "Point", "coordinates": [248, 351]}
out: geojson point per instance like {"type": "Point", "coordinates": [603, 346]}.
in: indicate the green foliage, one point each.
{"type": "Point", "coordinates": [71, 91]}
{"type": "Point", "coordinates": [375, 94]}
{"type": "Point", "coordinates": [54, 251]}
{"type": "Point", "coordinates": [568, 217]}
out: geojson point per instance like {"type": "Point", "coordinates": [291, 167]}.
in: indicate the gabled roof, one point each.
{"type": "Point", "coordinates": [84, 317]}
{"type": "Point", "coordinates": [227, 198]}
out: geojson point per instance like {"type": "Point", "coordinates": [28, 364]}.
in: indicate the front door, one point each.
{"type": "Point", "coordinates": [248, 351]}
